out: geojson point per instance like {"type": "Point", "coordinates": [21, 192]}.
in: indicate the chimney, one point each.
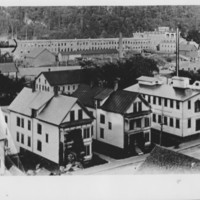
{"type": "Point", "coordinates": [55, 89]}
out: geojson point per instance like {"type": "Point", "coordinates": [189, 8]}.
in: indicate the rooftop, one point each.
{"type": "Point", "coordinates": [162, 160]}
{"type": "Point", "coordinates": [7, 67]}
{"type": "Point", "coordinates": [119, 101]}
{"type": "Point", "coordinates": [164, 90]}
{"type": "Point", "coordinates": [36, 51]}
{"type": "Point", "coordinates": [64, 77]}
{"type": "Point", "coordinates": [186, 47]}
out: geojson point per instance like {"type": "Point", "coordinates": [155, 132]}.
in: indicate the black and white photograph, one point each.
{"type": "Point", "coordinates": [90, 90]}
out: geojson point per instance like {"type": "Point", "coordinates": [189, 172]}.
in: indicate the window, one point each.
{"type": "Point", "coordinates": [86, 133]}
{"type": "Point", "coordinates": [171, 122]}
{"type": "Point", "coordinates": [131, 124]}
{"type": "Point", "coordinates": [102, 119]}
{"type": "Point", "coordinates": [177, 123]}
{"type": "Point", "coordinates": [109, 125]}
{"type": "Point", "coordinates": [47, 138]}
{"type": "Point", "coordinates": [165, 120]}
{"type": "Point", "coordinates": [159, 101]}
{"type": "Point", "coordinates": [22, 122]}
{"type": "Point", "coordinates": [149, 99]}
{"type": "Point", "coordinates": [29, 141]}
{"type": "Point", "coordinates": [135, 107]}
{"type": "Point", "coordinates": [73, 87]}
{"type": "Point", "coordinates": [102, 133]}
{"type": "Point", "coordinates": [146, 122]}
{"type": "Point", "coordinates": [39, 145]}
{"type": "Point", "coordinates": [39, 128]}
{"type": "Point", "coordinates": [177, 105]}
{"type": "Point", "coordinates": [17, 136]}
{"type": "Point", "coordinates": [154, 100]}
{"type": "Point", "coordinates": [171, 103]}
{"type": "Point", "coordinates": [29, 125]}
{"type": "Point", "coordinates": [18, 121]}
{"type": "Point", "coordinates": [197, 124]}
{"type": "Point", "coordinates": [154, 117]}
{"type": "Point", "coordinates": [72, 115]}
{"type": "Point", "coordinates": [189, 104]}
{"type": "Point", "coordinates": [80, 114]}
{"type": "Point", "coordinates": [159, 119]}
{"type": "Point", "coordinates": [189, 123]}
{"type": "Point", "coordinates": [147, 137]}
{"type": "Point", "coordinates": [138, 123]}
{"type": "Point", "coordinates": [6, 119]}
{"type": "Point", "coordinates": [92, 130]}
{"type": "Point", "coordinates": [139, 106]}
{"type": "Point", "coordinates": [87, 150]}
{"type": "Point", "coordinates": [68, 87]}
{"type": "Point", "coordinates": [197, 106]}
{"type": "Point", "coordinates": [166, 102]}
{"type": "Point", "coordinates": [22, 138]}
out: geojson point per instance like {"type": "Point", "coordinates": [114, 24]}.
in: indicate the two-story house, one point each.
{"type": "Point", "coordinates": [67, 81]}
{"type": "Point", "coordinates": [51, 125]}
{"type": "Point", "coordinates": [175, 108]}
{"type": "Point", "coordinates": [123, 118]}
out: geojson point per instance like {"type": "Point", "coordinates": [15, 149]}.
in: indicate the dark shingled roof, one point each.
{"type": "Point", "coordinates": [162, 160]}
{"type": "Point", "coordinates": [86, 94]}
{"type": "Point", "coordinates": [64, 77]}
{"type": "Point", "coordinates": [119, 101]}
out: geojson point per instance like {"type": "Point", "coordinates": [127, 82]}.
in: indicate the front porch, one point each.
{"type": "Point", "coordinates": [75, 142]}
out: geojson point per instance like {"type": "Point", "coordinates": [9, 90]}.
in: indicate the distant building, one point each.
{"type": "Point", "coordinates": [8, 69]}
{"type": "Point", "coordinates": [50, 125]}
{"type": "Point", "coordinates": [189, 50]}
{"type": "Point", "coordinates": [39, 57]}
{"type": "Point", "coordinates": [123, 119]}
{"type": "Point", "coordinates": [175, 106]}
{"type": "Point", "coordinates": [66, 81]}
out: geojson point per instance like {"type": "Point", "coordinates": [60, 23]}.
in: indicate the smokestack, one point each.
{"type": "Point", "coordinates": [177, 51]}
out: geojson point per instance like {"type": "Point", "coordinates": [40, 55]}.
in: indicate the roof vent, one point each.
{"type": "Point", "coordinates": [180, 82]}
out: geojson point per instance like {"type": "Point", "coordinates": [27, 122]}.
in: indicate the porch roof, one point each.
{"type": "Point", "coordinates": [137, 114]}
{"type": "Point", "coordinates": [76, 123]}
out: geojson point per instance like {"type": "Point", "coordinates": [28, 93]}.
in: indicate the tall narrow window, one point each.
{"type": "Point", "coordinates": [102, 119]}
{"type": "Point", "coordinates": [171, 122]}
{"type": "Point", "coordinates": [47, 138]}
{"type": "Point", "coordinates": [6, 119]}
{"type": "Point", "coordinates": [177, 123]}
{"type": "Point", "coordinates": [197, 106]}
{"type": "Point", "coordinates": [165, 120]}
{"type": "Point", "coordinates": [29, 125]}
{"type": "Point", "coordinates": [80, 114]}
{"type": "Point", "coordinates": [86, 133]}
{"type": "Point", "coordinates": [102, 133]}
{"type": "Point", "coordinates": [39, 145]}
{"type": "Point", "coordinates": [87, 150]}
{"type": "Point", "coordinates": [22, 138]}
{"type": "Point", "coordinates": [177, 104]}
{"type": "Point", "coordinates": [131, 125]}
{"type": "Point", "coordinates": [154, 100]}
{"type": "Point", "coordinates": [146, 122]}
{"type": "Point", "coordinates": [149, 99]}
{"type": "Point", "coordinates": [189, 104]}
{"type": "Point", "coordinates": [171, 103]}
{"type": "Point", "coordinates": [135, 107]}
{"type": "Point", "coordinates": [166, 102]}
{"type": "Point", "coordinates": [138, 123]}
{"type": "Point", "coordinates": [18, 121]}
{"type": "Point", "coordinates": [189, 123]}
{"type": "Point", "coordinates": [22, 122]}
{"type": "Point", "coordinates": [109, 125]}
{"type": "Point", "coordinates": [29, 141]}
{"type": "Point", "coordinates": [17, 137]}
{"type": "Point", "coordinates": [72, 117]}
{"type": "Point", "coordinates": [154, 117]}
{"type": "Point", "coordinates": [159, 101]}
{"type": "Point", "coordinates": [39, 128]}
{"type": "Point", "coordinates": [139, 106]}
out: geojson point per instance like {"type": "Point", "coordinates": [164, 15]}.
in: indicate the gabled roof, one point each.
{"type": "Point", "coordinates": [27, 99]}
{"type": "Point", "coordinates": [37, 51]}
{"type": "Point", "coordinates": [186, 47]}
{"type": "Point", "coordinates": [119, 101]}
{"type": "Point", "coordinates": [91, 52]}
{"type": "Point", "coordinates": [56, 110]}
{"type": "Point", "coordinates": [86, 94]}
{"type": "Point", "coordinates": [104, 94]}
{"type": "Point", "coordinates": [162, 160]}
{"type": "Point", "coordinates": [64, 77]}
{"type": "Point", "coordinates": [7, 67]}
{"type": "Point", "coordinates": [165, 91]}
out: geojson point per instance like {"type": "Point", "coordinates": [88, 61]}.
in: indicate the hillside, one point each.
{"type": "Point", "coordinates": [94, 22]}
